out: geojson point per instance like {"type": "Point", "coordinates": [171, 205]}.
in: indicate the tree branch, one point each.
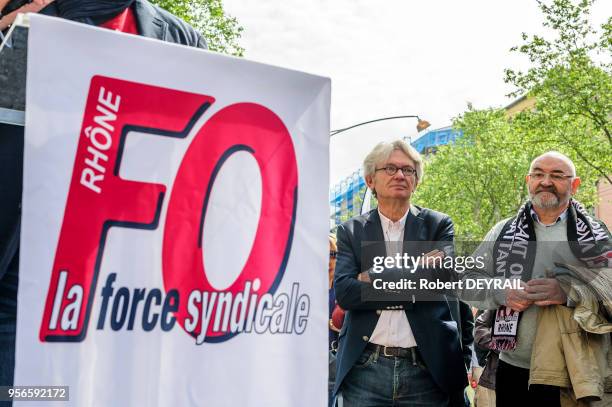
{"type": "Point", "coordinates": [590, 164]}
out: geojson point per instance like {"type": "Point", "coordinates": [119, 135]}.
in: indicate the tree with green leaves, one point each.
{"type": "Point", "coordinates": [571, 81]}
{"type": "Point", "coordinates": [220, 30]}
{"type": "Point", "coordinates": [480, 180]}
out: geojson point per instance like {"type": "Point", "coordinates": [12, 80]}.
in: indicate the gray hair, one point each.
{"type": "Point", "coordinates": [383, 151]}
{"type": "Point", "coordinates": [558, 155]}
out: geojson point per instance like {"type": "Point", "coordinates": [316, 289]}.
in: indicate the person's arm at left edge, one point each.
{"type": "Point", "coordinates": [33, 7]}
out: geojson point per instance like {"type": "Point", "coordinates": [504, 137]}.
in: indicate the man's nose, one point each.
{"type": "Point", "coordinates": [399, 174]}
{"type": "Point", "coordinates": [547, 181]}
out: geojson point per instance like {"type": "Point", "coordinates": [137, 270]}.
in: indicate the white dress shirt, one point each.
{"type": "Point", "coordinates": [393, 328]}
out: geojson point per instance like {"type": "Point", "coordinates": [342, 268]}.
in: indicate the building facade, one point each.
{"type": "Point", "coordinates": [604, 209]}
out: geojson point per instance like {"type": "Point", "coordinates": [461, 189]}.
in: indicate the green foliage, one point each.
{"type": "Point", "coordinates": [481, 179]}
{"type": "Point", "coordinates": [571, 80]}
{"type": "Point", "coordinates": [208, 17]}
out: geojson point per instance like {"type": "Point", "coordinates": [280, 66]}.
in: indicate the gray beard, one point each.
{"type": "Point", "coordinates": [552, 203]}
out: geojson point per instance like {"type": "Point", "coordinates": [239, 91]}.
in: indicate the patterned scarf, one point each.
{"type": "Point", "coordinates": [514, 257]}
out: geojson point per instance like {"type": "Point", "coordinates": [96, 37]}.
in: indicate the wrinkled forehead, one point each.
{"type": "Point", "coordinates": [551, 164]}
{"type": "Point", "coordinates": [398, 158]}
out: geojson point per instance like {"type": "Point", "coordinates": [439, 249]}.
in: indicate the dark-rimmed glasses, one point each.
{"type": "Point", "coordinates": [556, 177]}
{"type": "Point", "coordinates": [391, 170]}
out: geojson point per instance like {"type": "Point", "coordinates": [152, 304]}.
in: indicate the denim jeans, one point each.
{"type": "Point", "coordinates": [332, 378]}
{"type": "Point", "coordinates": [377, 380]}
{"type": "Point", "coordinates": [7, 361]}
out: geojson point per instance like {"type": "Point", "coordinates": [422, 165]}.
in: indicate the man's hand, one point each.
{"type": "Point", "coordinates": [365, 277]}
{"type": "Point", "coordinates": [546, 291]}
{"type": "Point", "coordinates": [518, 300]}
{"type": "Point", "coordinates": [474, 375]}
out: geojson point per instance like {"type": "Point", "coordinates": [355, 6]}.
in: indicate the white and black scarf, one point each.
{"type": "Point", "coordinates": [514, 256]}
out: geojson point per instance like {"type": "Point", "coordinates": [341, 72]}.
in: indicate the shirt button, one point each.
{"type": "Point", "coordinates": [365, 338]}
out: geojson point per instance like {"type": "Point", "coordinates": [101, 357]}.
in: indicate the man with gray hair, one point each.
{"type": "Point", "coordinates": [529, 371]}
{"type": "Point", "coordinates": [394, 353]}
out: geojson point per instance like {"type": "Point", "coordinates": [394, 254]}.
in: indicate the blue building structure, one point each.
{"type": "Point", "coordinates": [429, 141]}
{"type": "Point", "coordinates": [346, 197]}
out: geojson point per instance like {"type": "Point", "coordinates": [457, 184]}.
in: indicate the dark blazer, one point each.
{"type": "Point", "coordinates": [432, 323]}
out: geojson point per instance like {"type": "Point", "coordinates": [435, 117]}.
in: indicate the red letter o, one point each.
{"type": "Point", "coordinates": [239, 127]}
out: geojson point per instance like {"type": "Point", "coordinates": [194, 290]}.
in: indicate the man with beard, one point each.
{"type": "Point", "coordinates": [564, 233]}
{"type": "Point", "coordinates": [130, 16]}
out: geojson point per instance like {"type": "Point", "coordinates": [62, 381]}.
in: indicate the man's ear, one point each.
{"type": "Point", "coordinates": [575, 184]}
{"type": "Point", "coordinates": [369, 179]}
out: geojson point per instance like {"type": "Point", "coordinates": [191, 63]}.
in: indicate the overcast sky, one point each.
{"type": "Point", "coordinates": [393, 57]}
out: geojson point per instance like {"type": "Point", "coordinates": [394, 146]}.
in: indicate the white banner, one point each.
{"type": "Point", "coordinates": [174, 235]}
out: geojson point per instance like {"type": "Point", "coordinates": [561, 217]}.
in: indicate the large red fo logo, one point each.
{"type": "Point", "coordinates": [99, 199]}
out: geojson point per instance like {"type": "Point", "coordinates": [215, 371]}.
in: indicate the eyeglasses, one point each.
{"type": "Point", "coordinates": [392, 170]}
{"type": "Point", "coordinates": [540, 176]}
{"type": "Point", "coordinates": [332, 254]}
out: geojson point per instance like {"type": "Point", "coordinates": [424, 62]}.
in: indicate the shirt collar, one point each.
{"type": "Point", "coordinates": [536, 218]}
{"type": "Point", "coordinates": [386, 222]}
